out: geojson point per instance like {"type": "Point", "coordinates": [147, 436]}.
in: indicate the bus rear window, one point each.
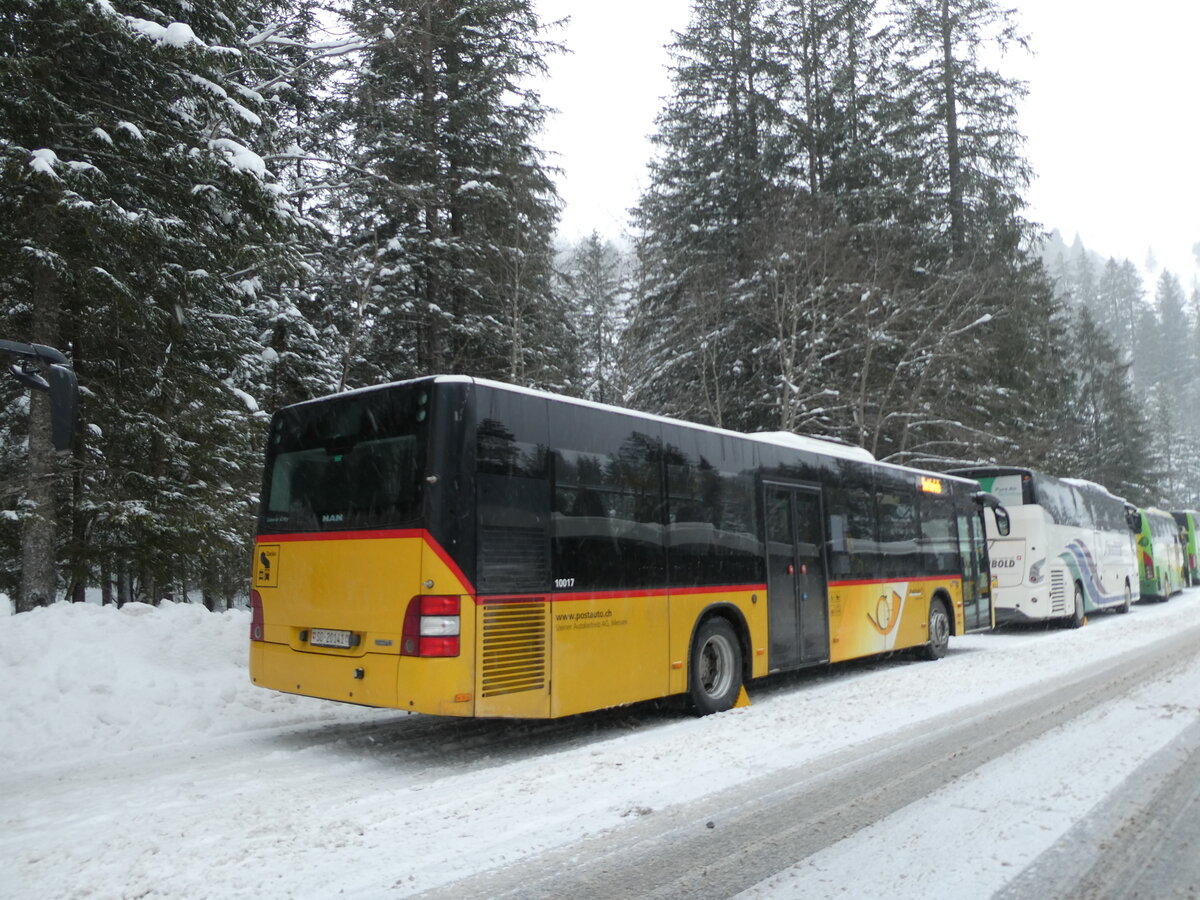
{"type": "Point", "coordinates": [347, 464]}
{"type": "Point", "coordinates": [1010, 490]}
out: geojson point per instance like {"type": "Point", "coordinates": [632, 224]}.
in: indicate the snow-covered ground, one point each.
{"type": "Point", "coordinates": [138, 761]}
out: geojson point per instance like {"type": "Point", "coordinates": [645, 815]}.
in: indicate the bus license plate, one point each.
{"type": "Point", "coordinates": [328, 637]}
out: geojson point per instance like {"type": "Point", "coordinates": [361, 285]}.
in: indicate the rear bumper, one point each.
{"type": "Point", "coordinates": [373, 679]}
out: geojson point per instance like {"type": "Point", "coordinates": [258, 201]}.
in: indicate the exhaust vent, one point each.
{"type": "Point", "coordinates": [1058, 592]}
{"type": "Point", "coordinates": [513, 649]}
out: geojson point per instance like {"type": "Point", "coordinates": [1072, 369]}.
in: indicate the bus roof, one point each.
{"type": "Point", "coordinates": [993, 471]}
{"type": "Point", "coordinates": [806, 443]}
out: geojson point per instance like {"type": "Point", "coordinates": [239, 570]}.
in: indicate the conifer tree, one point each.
{"type": "Point", "coordinates": [1174, 348]}
{"type": "Point", "coordinates": [447, 237]}
{"type": "Point", "coordinates": [1119, 297]}
{"type": "Point", "coordinates": [598, 296]}
{"type": "Point", "coordinates": [955, 120]}
{"type": "Point", "coordinates": [1105, 437]}
{"type": "Point", "coordinates": [722, 149]}
{"type": "Point", "coordinates": [138, 226]}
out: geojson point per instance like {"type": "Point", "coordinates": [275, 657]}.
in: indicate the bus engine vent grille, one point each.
{"type": "Point", "coordinates": [513, 648]}
{"type": "Point", "coordinates": [1058, 592]}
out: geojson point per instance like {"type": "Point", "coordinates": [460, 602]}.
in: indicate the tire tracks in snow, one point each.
{"type": "Point", "coordinates": [730, 841]}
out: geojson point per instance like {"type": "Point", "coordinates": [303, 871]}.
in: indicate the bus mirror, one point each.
{"type": "Point", "coordinates": [64, 405]}
{"type": "Point", "coordinates": [46, 369]}
{"type": "Point", "coordinates": [992, 502]}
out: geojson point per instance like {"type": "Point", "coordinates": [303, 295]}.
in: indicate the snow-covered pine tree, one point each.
{"type": "Point", "coordinates": [597, 292]}
{"type": "Point", "coordinates": [447, 237]}
{"type": "Point", "coordinates": [955, 121]}
{"type": "Point", "coordinates": [137, 213]}
{"type": "Point", "coordinates": [1120, 295]}
{"type": "Point", "coordinates": [722, 149]}
{"type": "Point", "coordinates": [838, 86]}
{"type": "Point", "coordinates": [292, 59]}
{"type": "Point", "coordinates": [952, 130]}
{"type": "Point", "coordinates": [1173, 390]}
{"type": "Point", "coordinates": [1105, 433]}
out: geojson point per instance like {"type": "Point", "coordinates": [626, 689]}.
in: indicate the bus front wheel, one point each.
{"type": "Point", "coordinates": [715, 667]}
{"type": "Point", "coordinates": [1078, 615]}
{"type": "Point", "coordinates": [1128, 601]}
{"type": "Point", "coordinates": [939, 630]}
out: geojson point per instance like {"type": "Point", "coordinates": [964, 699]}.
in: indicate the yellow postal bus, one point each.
{"type": "Point", "coordinates": [461, 547]}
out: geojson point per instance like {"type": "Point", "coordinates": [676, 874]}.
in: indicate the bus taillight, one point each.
{"type": "Point", "coordinates": [256, 616]}
{"type": "Point", "coordinates": [431, 626]}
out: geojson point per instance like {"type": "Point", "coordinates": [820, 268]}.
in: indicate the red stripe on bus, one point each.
{"type": "Point", "coordinates": [342, 536]}
{"type": "Point", "coordinates": [570, 596]}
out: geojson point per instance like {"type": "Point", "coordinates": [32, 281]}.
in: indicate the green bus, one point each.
{"type": "Point", "coordinates": [1187, 520]}
{"type": "Point", "coordinates": [1160, 555]}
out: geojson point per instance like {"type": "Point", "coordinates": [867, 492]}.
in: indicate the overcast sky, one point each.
{"type": "Point", "coordinates": [1113, 117]}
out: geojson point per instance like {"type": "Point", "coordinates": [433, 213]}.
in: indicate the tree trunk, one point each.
{"type": "Point", "coordinates": [38, 581]}
{"type": "Point", "coordinates": [106, 588]}
{"type": "Point", "coordinates": [958, 230]}
{"type": "Point", "coordinates": [124, 588]}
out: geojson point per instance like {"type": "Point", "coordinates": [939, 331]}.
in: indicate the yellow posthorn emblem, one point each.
{"type": "Point", "coordinates": [886, 613]}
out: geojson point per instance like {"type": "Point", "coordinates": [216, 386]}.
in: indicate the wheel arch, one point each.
{"type": "Point", "coordinates": [737, 621]}
{"type": "Point", "coordinates": [944, 595]}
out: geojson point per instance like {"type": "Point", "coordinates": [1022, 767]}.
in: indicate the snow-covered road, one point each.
{"type": "Point", "coordinates": [139, 762]}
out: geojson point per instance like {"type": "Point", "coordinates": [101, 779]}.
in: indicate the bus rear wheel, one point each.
{"type": "Point", "coordinates": [1078, 615]}
{"type": "Point", "coordinates": [939, 630]}
{"type": "Point", "coordinates": [715, 667]}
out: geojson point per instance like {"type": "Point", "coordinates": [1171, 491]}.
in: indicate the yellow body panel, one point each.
{"type": "Point", "coordinates": [362, 585]}
{"type": "Point", "coordinates": [531, 657]}
{"type": "Point", "coordinates": [608, 651]}
{"type": "Point", "coordinates": [878, 617]}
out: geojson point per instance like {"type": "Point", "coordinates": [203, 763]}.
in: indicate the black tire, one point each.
{"type": "Point", "coordinates": [939, 630]}
{"type": "Point", "coordinates": [715, 667]}
{"type": "Point", "coordinates": [1078, 616]}
{"type": "Point", "coordinates": [1125, 606]}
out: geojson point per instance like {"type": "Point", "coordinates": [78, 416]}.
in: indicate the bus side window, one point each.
{"type": "Point", "coordinates": [853, 545]}
{"type": "Point", "coordinates": [898, 533]}
{"type": "Point", "coordinates": [711, 511]}
{"type": "Point", "coordinates": [608, 529]}
{"type": "Point", "coordinates": [512, 494]}
{"type": "Point", "coordinates": [937, 541]}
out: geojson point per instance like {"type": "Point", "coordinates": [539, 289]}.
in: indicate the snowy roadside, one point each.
{"type": "Point", "coordinates": [83, 680]}
{"type": "Point", "coordinates": [132, 736]}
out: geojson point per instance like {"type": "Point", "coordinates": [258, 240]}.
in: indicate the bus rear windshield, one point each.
{"type": "Point", "coordinates": [348, 464]}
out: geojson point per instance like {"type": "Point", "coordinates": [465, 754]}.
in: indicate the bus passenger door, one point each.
{"type": "Point", "coordinates": [976, 590]}
{"type": "Point", "coordinates": [798, 616]}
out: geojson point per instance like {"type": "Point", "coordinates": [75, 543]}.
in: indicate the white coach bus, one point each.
{"type": "Point", "coordinates": [1071, 549]}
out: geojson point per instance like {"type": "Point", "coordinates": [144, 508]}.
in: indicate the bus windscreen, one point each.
{"type": "Point", "coordinates": [347, 467]}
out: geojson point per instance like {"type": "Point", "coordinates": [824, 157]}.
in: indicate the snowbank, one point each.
{"type": "Point", "coordinates": [83, 676]}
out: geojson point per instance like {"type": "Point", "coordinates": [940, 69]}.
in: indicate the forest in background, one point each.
{"type": "Point", "coordinates": [224, 206]}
